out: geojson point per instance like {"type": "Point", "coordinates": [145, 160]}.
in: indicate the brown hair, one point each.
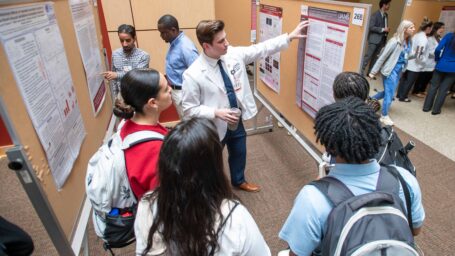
{"type": "Point", "coordinates": [206, 30]}
{"type": "Point", "coordinates": [426, 23]}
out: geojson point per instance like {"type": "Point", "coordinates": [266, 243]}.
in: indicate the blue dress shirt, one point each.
{"type": "Point", "coordinates": [182, 53]}
{"type": "Point", "coordinates": [305, 224]}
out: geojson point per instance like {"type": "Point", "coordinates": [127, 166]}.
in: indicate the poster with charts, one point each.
{"type": "Point", "coordinates": [84, 24]}
{"type": "Point", "coordinates": [33, 44]}
{"type": "Point", "coordinates": [320, 57]}
{"type": "Point", "coordinates": [270, 20]}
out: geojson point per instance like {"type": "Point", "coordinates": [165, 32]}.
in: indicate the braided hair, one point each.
{"type": "Point", "coordinates": [350, 84]}
{"type": "Point", "coordinates": [349, 129]}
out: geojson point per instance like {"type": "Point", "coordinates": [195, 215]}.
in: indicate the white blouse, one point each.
{"type": "Point", "coordinates": [240, 235]}
{"type": "Point", "coordinates": [420, 51]}
{"type": "Point", "coordinates": [431, 46]}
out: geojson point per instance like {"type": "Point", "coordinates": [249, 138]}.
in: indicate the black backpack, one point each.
{"type": "Point", "coordinates": [392, 151]}
{"type": "Point", "coordinates": [374, 223]}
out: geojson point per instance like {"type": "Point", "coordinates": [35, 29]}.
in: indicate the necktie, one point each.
{"type": "Point", "coordinates": [228, 85]}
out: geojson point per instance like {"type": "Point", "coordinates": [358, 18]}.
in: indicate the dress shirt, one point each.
{"type": "Point", "coordinates": [123, 62]}
{"type": "Point", "coordinates": [384, 17]}
{"type": "Point", "coordinates": [305, 224]}
{"type": "Point", "coordinates": [180, 56]}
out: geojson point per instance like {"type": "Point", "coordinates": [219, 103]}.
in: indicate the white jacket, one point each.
{"type": "Point", "coordinates": [420, 50]}
{"type": "Point", "coordinates": [430, 64]}
{"type": "Point", "coordinates": [203, 92]}
{"type": "Point", "coordinates": [240, 235]}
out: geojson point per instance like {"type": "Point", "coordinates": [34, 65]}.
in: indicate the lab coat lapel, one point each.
{"type": "Point", "coordinates": [210, 76]}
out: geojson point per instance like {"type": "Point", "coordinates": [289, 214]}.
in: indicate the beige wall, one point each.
{"type": "Point", "coordinates": [420, 9]}
{"type": "Point", "coordinates": [236, 15]}
{"type": "Point", "coordinates": [395, 12]}
{"type": "Point", "coordinates": [144, 14]}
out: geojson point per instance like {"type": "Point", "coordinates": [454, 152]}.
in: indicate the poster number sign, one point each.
{"type": "Point", "coordinates": [357, 18]}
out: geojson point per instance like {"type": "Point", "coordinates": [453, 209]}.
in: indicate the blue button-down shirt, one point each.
{"type": "Point", "coordinates": [182, 53]}
{"type": "Point", "coordinates": [305, 225]}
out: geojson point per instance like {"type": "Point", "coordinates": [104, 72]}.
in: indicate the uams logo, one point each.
{"type": "Point", "coordinates": [343, 16]}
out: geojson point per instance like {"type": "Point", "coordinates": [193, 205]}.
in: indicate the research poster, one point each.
{"type": "Point", "coordinates": [84, 24]}
{"type": "Point", "coordinates": [448, 17]}
{"type": "Point", "coordinates": [34, 47]}
{"type": "Point", "coordinates": [320, 56]}
{"type": "Point", "coordinates": [254, 9]}
{"type": "Point", "coordinates": [270, 20]}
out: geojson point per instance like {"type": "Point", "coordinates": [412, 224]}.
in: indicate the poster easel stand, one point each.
{"type": "Point", "coordinates": [307, 146]}
{"type": "Point", "coordinates": [18, 162]}
{"type": "Point", "coordinates": [268, 127]}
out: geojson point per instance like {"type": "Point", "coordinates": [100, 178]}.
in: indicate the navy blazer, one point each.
{"type": "Point", "coordinates": [376, 25]}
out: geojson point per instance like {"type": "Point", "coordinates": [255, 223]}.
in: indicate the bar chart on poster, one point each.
{"type": "Point", "coordinates": [54, 105]}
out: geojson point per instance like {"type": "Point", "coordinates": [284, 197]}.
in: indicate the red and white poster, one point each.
{"type": "Point", "coordinates": [270, 20]}
{"type": "Point", "coordinates": [320, 57]}
{"type": "Point", "coordinates": [448, 17]}
{"type": "Point", "coordinates": [254, 9]}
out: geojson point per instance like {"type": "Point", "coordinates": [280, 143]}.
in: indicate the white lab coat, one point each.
{"type": "Point", "coordinates": [203, 92]}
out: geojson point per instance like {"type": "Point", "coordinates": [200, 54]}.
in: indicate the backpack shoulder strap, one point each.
{"type": "Point", "coordinates": [140, 137]}
{"type": "Point", "coordinates": [387, 182]}
{"type": "Point", "coordinates": [335, 190]}
{"type": "Point", "coordinates": [387, 135]}
{"type": "Point", "coordinates": [391, 170]}
{"type": "Point", "coordinates": [220, 227]}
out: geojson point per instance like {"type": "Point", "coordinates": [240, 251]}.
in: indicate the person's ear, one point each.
{"type": "Point", "coordinates": [151, 102]}
{"type": "Point", "coordinates": [205, 46]}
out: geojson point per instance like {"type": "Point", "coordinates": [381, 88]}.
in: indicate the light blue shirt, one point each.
{"type": "Point", "coordinates": [305, 224]}
{"type": "Point", "coordinates": [182, 53]}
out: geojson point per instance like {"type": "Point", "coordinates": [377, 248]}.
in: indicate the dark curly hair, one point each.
{"type": "Point", "coordinates": [350, 84]}
{"type": "Point", "coordinates": [349, 129]}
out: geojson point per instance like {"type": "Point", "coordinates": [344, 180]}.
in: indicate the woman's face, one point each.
{"type": "Point", "coordinates": [440, 31]}
{"type": "Point", "coordinates": [409, 31]}
{"type": "Point", "coordinates": [163, 99]}
{"type": "Point", "coordinates": [428, 30]}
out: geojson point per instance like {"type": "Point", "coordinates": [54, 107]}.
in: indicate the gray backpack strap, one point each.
{"type": "Point", "coordinates": [392, 171]}
{"type": "Point", "coordinates": [387, 182]}
{"type": "Point", "coordinates": [335, 190]}
{"type": "Point", "coordinates": [140, 137]}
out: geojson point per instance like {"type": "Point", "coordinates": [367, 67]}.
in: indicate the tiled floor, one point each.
{"type": "Point", "coordinates": [438, 131]}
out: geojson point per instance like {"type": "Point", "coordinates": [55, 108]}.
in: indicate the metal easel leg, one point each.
{"type": "Point", "coordinates": [268, 127]}
{"type": "Point", "coordinates": [85, 246]}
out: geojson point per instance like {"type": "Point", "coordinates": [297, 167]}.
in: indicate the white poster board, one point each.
{"type": "Point", "coordinates": [320, 57]}
{"type": "Point", "coordinates": [34, 47]}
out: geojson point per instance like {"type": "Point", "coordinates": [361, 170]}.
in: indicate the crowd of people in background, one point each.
{"type": "Point", "coordinates": [410, 61]}
{"type": "Point", "coordinates": [187, 206]}
{"type": "Point", "coordinates": [186, 201]}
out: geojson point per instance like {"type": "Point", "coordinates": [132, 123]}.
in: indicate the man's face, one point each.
{"type": "Point", "coordinates": [126, 41]}
{"type": "Point", "coordinates": [386, 7]}
{"type": "Point", "coordinates": [218, 47]}
{"type": "Point", "coordinates": [167, 34]}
